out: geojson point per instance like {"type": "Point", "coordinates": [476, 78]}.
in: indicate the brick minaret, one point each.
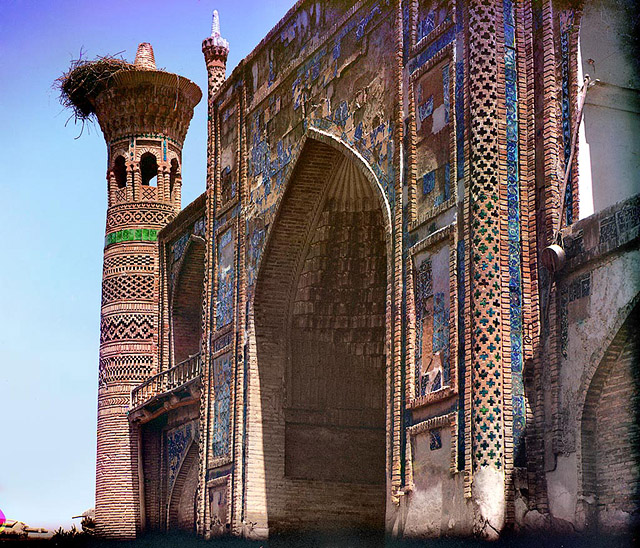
{"type": "Point", "coordinates": [144, 114]}
{"type": "Point", "coordinates": [215, 49]}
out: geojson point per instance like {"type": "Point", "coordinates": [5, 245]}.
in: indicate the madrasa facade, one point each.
{"type": "Point", "coordinates": [406, 300]}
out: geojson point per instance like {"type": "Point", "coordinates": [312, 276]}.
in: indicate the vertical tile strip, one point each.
{"type": "Point", "coordinates": [513, 225]}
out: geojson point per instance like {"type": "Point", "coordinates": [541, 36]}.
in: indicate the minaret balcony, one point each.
{"type": "Point", "coordinates": [177, 386]}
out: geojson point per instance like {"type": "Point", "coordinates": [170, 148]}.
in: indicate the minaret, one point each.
{"type": "Point", "coordinates": [144, 114]}
{"type": "Point", "coordinates": [215, 50]}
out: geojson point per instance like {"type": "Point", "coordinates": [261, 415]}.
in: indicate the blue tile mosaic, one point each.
{"type": "Point", "coordinates": [425, 26]}
{"type": "Point", "coordinates": [178, 442]}
{"type": "Point", "coordinates": [447, 181]}
{"type": "Point", "coordinates": [566, 25]}
{"type": "Point", "coordinates": [439, 44]}
{"type": "Point", "coordinates": [423, 290]}
{"type": "Point", "coordinates": [441, 332]}
{"type": "Point", "coordinates": [222, 405]}
{"type": "Point", "coordinates": [177, 248]}
{"type": "Point", "coordinates": [513, 228]}
{"type": "Point", "coordinates": [226, 277]}
{"type": "Point", "coordinates": [435, 439]}
{"type": "Point", "coordinates": [446, 92]}
{"type": "Point", "coordinates": [425, 109]}
{"type": "Point", "coordinates": [428, 182]}
{"type": "Point", "coordinates": [459, 95]}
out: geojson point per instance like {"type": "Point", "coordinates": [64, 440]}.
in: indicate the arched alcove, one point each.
{"type": "Point", "coordinates": [173, 176]}
{"type": "Point", "coordinates": [120, 171]}
{"type": "Point", "coordinates": [320, 327]}
{"type": "Point", "coordinates": [182, 503]}
{"type": "Point", "coordinates": [610, 432]}
{"type": "Point", "coordinates": [186, 302]}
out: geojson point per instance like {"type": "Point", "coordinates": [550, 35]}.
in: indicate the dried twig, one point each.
{"type": "Point", "coordinates": [85, 80]}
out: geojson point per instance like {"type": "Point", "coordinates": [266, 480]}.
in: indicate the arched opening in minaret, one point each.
{"type": "Point", "coordinates": [173, 176]}
{"type": "Point", "coordinates": [120, 172]}
{"type": "Point", "coordinates": [149, 169]}
{"type": "Point", "coordinates": [320, 324]}
{"type": "Point", "coordinates": [186, 309]}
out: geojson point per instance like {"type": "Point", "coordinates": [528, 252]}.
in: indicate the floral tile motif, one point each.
{"type": "Point", "coordinates": [226, 276]}
{"type": "Point", "coordinates": [221, 415]}
{"type": "Point", "coordinates": [178, 441]}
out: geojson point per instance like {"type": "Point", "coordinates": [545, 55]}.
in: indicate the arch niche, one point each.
{"type": "Point", "coordinates": [186, 301]}
{"type": "Point", "coordinates": [610, 432]}
{"type": "Point", "coordinates": [182, 500]}
{"type": "Point", "coordinates": [321, 324]}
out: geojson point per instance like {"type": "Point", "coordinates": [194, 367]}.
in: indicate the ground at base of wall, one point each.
{"type": "Point", "coordinates": [345, 540]}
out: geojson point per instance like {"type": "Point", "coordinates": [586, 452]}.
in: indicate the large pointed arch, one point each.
{"type": "Point", "coordinates": [322, 320]}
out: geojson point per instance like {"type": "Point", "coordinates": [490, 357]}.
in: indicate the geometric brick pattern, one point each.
{"type": "Point", "coordinates": [124, 216]}
{"type": "Point", "coordinates": [317, 360]}
{"type": "Point", "coordinates": [124, 367]}
{"type": "Point", "coordinates": [116, 264]}
{"type": "Point", "coordinates": [132, 286]}
{"type": "Point", "coordinates": [215, 50]}
{"type": "Point", "coordinates": [127, 327]}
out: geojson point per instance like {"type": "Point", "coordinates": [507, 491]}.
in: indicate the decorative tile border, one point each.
{"type": "Point", "coordinates": [513, 233]}
{"type": "Point", "coordinates": [131, 235]}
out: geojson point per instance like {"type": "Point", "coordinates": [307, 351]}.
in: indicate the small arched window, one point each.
{"type": "Point", "coordinates": [149, 169]}
{"type": "Point", "coordinates": [120, 172]}
{"type": "Point", "coordinates": [173, 175]}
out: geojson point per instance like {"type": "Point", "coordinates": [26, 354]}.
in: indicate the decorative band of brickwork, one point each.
{"type": "Point", "coordinates": [131, 235]}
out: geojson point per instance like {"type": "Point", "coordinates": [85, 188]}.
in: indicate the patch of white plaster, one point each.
{"type": "Point", "coordinates": [562, 485]}
{"type": "Point", "coordinates": [438, 119]}
{"type": "Point", "coordinates": [488, 496]}
{"type": "Point", "coordinates": [425, 516]}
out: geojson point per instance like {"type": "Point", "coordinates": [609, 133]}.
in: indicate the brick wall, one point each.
{"type": "Point", "coordinates": [617, 436]}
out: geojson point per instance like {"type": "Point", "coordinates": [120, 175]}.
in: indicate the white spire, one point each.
{"type": "Point", "coordinates": [215, 25]}
{"type": "Point", "coordinates": [216, 37]}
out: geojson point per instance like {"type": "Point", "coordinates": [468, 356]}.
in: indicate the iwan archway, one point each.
{"type": "Point", "coordinates": [321, 313]}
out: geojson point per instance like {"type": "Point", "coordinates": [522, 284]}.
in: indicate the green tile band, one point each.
{"type": "Point", "coordinates": [131, 235]}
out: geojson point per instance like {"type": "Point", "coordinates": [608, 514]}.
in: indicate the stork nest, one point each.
{"type": "Point", "coordinates": [85, 80]}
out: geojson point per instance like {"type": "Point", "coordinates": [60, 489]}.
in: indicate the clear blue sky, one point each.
{"type": "Point", "coordinates": [52, 221]}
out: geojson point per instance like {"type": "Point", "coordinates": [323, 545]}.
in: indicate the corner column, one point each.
{"type": "Point", "coordinates": [486, 360]}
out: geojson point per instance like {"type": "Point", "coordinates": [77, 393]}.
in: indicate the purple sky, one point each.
{"type": "Point", "coordinates": [52, 220]}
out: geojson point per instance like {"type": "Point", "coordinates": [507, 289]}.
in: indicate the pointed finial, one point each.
{"type": "Point", "coordinates": [144, 57]}
{"type": "Point", "coordinates": [215, 25]}
{"type": "Point", "coordinates": [216, 38]}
